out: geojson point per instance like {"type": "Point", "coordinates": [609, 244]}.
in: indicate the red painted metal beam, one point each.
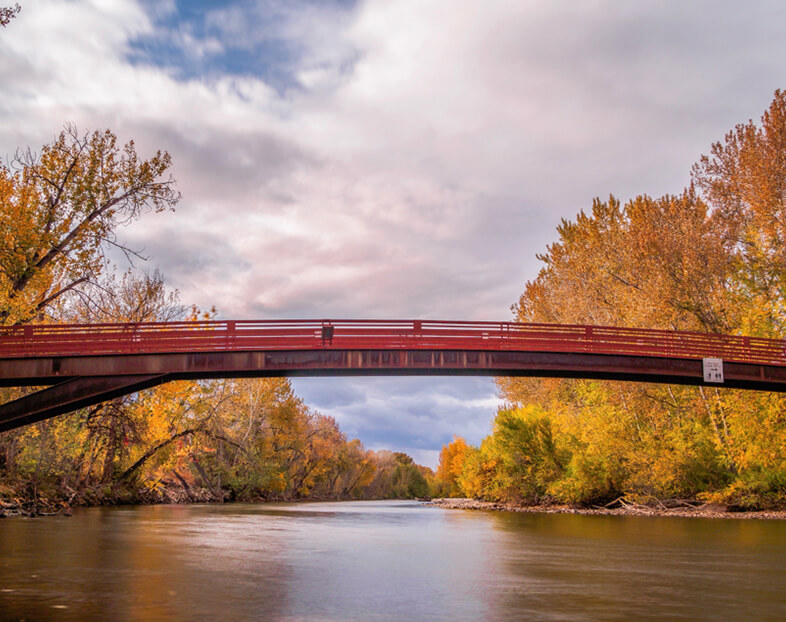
{"type": "Point", "coordinates": [331, 362]}
{"type": "Point", "coordinates": [97, 362]}
{"type": "Point", "coordinates": [217, 336]}
{"type": "Point", "coordinates": [71, 395]}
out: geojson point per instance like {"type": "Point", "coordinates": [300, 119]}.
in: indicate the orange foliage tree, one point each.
{"type": "Point", "coordinates": [451, 464]}
{"type": "Point", "coordinates": [712, 258]}
{"type": "Point", "coordinates": [60, 210]}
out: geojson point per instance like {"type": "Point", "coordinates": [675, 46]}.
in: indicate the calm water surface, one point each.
{"type": "Point", "coordinates": [386, 561]}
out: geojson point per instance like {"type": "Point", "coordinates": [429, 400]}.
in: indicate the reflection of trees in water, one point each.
{"type": "Point", "coordinates": [147, 563]}
{"type": "Point", "coordinates": [601, 567]}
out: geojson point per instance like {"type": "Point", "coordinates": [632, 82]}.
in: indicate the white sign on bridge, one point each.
{"type": "Point", "coordinates": [713, 370]}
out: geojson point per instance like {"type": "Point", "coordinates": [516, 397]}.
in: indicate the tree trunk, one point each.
{"type": "Point", "coordinates": [218, 495]}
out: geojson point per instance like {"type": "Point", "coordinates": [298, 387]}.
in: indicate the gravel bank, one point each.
{"type": "Point", "coordinates": [702, 511]}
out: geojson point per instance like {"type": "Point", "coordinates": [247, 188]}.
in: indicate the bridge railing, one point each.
{"type": "Point", "coordinates": [209, 336]}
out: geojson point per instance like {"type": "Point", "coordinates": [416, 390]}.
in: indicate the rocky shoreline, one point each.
{"type": "Point", "coordinates": [11, 507]}
{"type": "Point", "coordinates": [669, 508]}
{"type": "Point", "coordinates": [31, 506]}
{"type": "Point", "coordinates": [683, 510]}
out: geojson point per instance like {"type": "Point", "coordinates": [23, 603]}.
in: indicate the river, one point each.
{"type": "Point", "coordinates": [386, 560]}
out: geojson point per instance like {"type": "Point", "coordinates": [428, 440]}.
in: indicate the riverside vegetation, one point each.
{"type": "Point", "coordinates": [60, 211]}
{"type": "Point", "coordinates": [711, 258]}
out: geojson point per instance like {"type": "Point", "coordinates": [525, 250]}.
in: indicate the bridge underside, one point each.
{"type": "Point", "coordinates": [79, 381]}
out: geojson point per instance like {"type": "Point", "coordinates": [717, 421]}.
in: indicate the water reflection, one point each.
{"type": "Point", "coordinates": [576, 567]}
{"type": "Point", "coordinates": [385, 560]}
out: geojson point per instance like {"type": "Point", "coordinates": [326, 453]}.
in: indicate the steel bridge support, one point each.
{"type": "Point", "coordinates": [69, 395]}
{"type": "Point", "coordinates": [79, 381]}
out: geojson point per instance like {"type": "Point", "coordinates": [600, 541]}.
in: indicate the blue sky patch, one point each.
{"type": "Point", "coordinates": [207, 39]}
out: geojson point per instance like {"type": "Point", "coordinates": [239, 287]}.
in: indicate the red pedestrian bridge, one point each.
{"type": "Point", "coordinates": [84, 364]}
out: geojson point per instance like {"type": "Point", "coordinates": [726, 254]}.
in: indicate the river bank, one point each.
{"type": "Point", "coordinates": [15, 504]}
{"type": "Point", "coordinates": [22, 506]}
{"type": "Point", "coordinates": [679, 509]}
{"type": "Point", "coordinates": [24, 503]}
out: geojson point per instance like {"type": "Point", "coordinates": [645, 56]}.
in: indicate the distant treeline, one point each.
{"type": "Point", "coordinates": [711, 258]}
{"type": "Point", "coordinates": [212, 440]}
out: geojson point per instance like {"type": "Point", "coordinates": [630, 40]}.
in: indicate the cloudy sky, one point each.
{"type": "Point", "coordinates": [387, 158]}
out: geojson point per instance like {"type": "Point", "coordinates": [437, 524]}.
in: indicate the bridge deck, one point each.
{"type": "Point", "coordinates": [88, 364]}
{"type": "Point", "coordinates": [216, 336]}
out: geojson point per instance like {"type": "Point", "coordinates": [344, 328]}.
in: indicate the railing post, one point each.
{"type": "Point", "coordinates": [27, 333]}
{"type": "Point", "coordinates": [231, 337]}
{"type": "Point", "coordinates": [327, 335]}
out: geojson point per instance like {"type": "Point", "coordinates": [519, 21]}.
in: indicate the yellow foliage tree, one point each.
{"type": "Point", "coordinates": [710, 259]}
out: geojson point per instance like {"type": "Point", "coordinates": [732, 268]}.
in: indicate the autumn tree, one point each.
{"type": "Point", "coordinates": [60, 211]}
{"type": "Point", "coordinates": [451, 464]}
{"type": "Point", "coordinates": [709, 259]}
{"type": "Point", "coordinates": [9, 13]}
{"type": "Point", "coordinates": [91, 447]}
{"type": "Point", "coordinates": [355, 471]}
{"type": "Point", "coordinates": [744, 181]}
